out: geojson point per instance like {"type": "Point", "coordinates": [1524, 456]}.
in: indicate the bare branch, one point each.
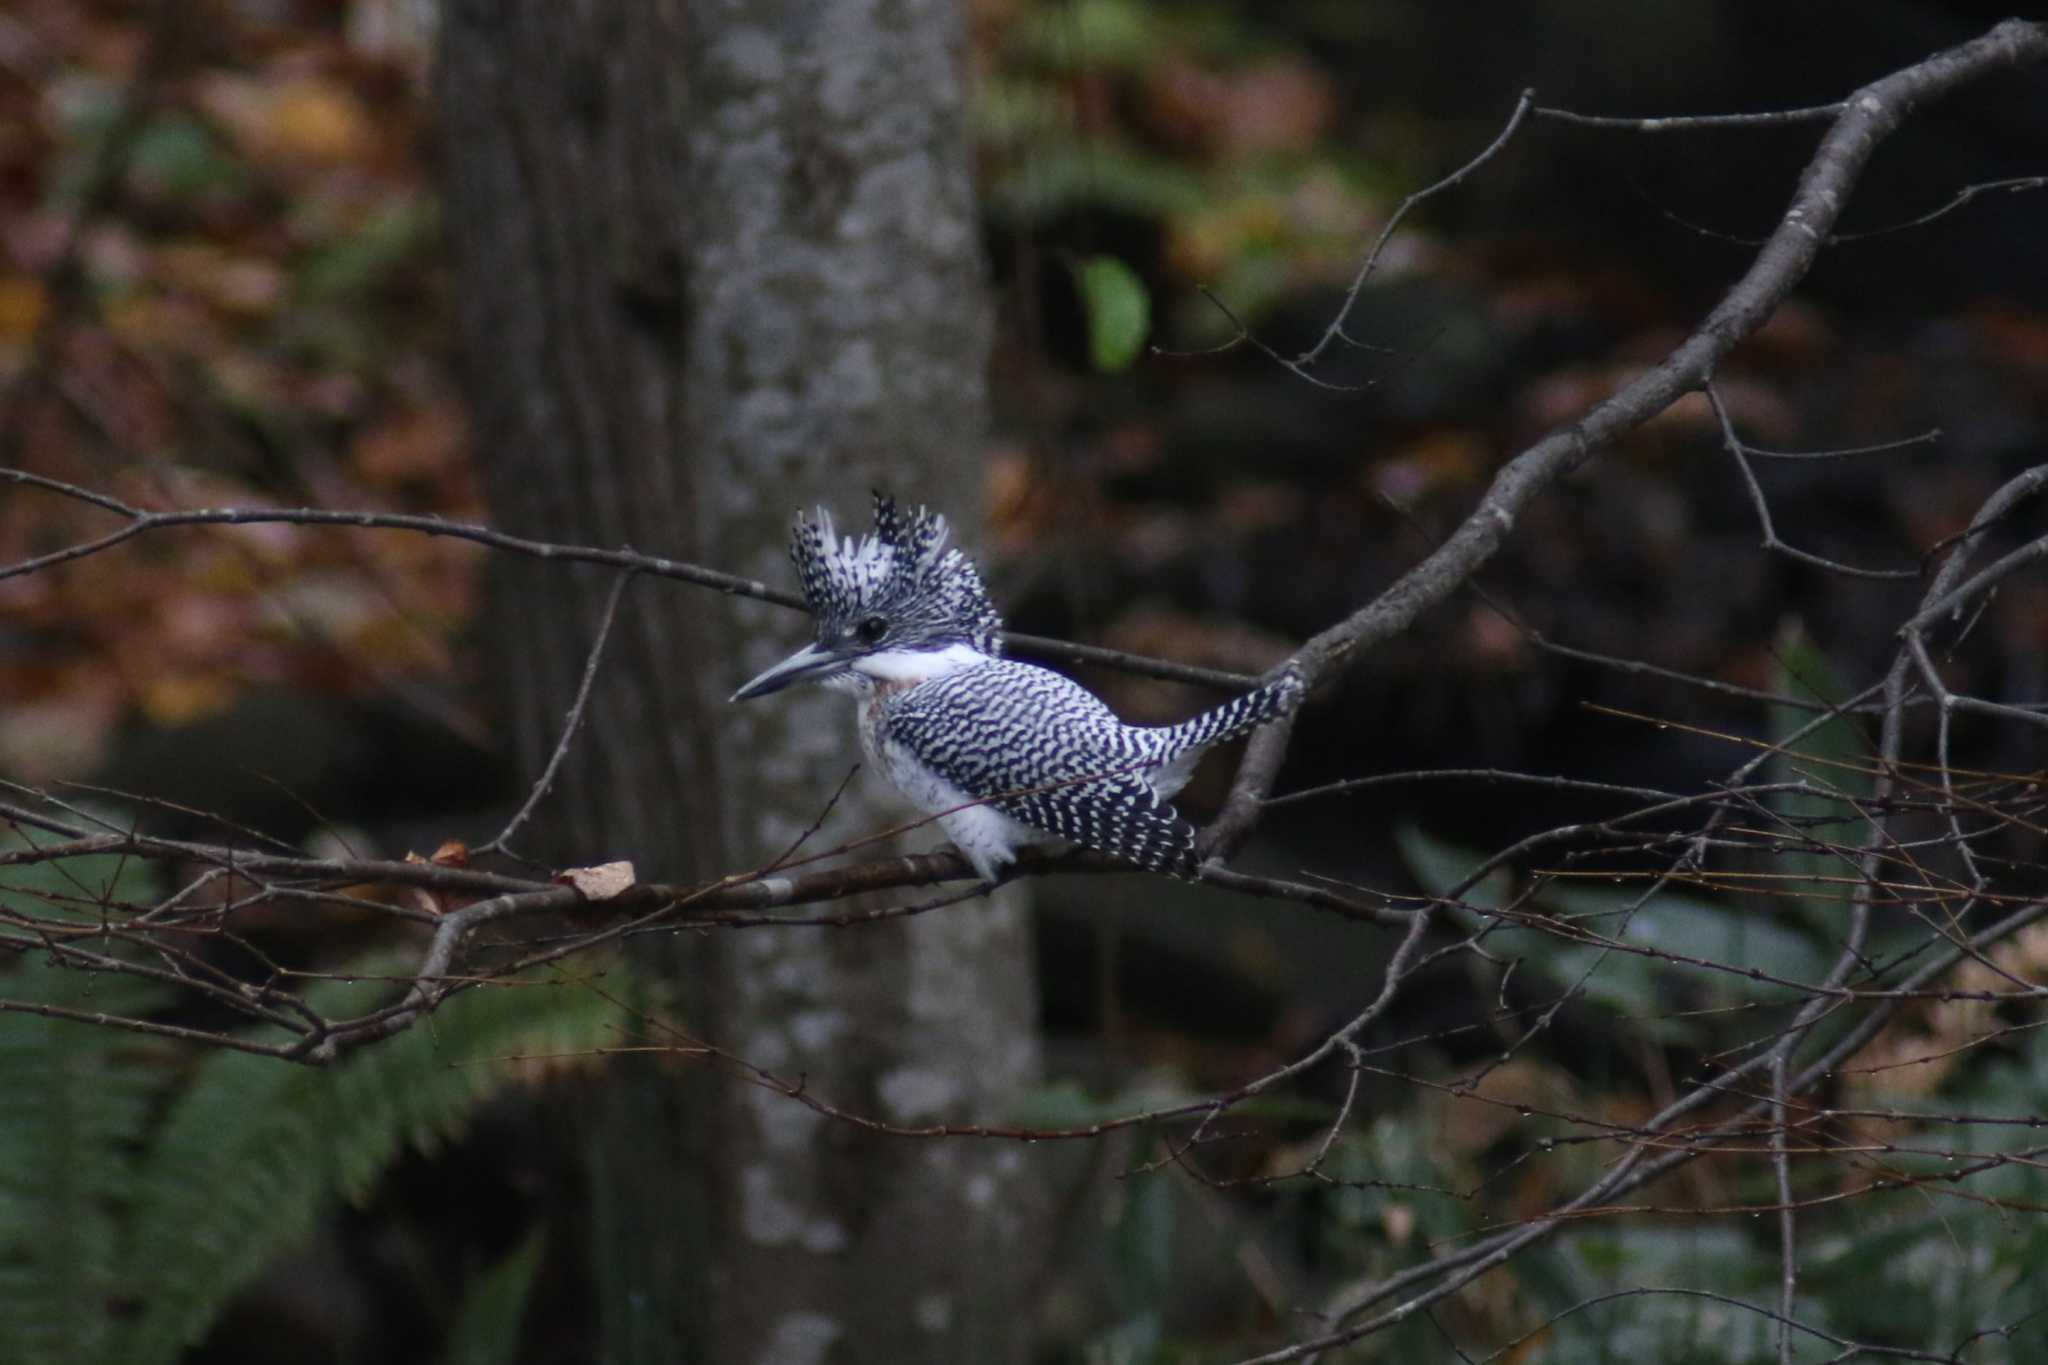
{"type": "Point", "coordinates": [1861, 124]}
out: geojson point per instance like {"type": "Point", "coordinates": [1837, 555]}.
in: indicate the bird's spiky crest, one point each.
{"type": "Point", "coordinates": [903, 572]}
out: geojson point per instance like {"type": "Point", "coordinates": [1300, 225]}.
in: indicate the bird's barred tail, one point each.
{"type": "Point", "coordinates": [1237, 715]}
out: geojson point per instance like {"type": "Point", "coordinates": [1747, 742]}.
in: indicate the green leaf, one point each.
{"type": "Point", "coordinates": [1066, 177]}
{"type": "Point", "coordinates": [1439, 866]}
{"type": "Point", "coordinates": [1119, 311]}
{"type": "Point", "coordinates": [70, 890]}
{"type": "Point", "coordinates": [1689, 927]}
{"type": "Point", "coordinates": [1626, 982]}
{"type": "Point", "coordinates": [371, 255]}
{"type": "Point", "coordinates": [1095, 34]}
{"type": "Point", "coordinates": [182, 158]}
{"type": "Point", "coordinates": [1835, 758]}
{"type": "Point", "coordinates": [1131, 35]}
{"type": "Point", "coordinates": [1140, 1266]}
{"type": "Point", "coordinates": [1068, 1104]}
{"type": "Point", "coordinates": [1622, 982]}
{"type": "Point", "coordinates": [1012, 112]}
{"type": "Point", "coordinates": [1659, 1327]}
{"type": "Point", "coordinates": [1059, 1104]}
{"type": "Point", "coordinates": [486, 1332]}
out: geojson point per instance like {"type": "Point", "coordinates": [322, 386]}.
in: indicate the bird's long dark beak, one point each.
{"type": "Point", "coordinates": [809, 664]}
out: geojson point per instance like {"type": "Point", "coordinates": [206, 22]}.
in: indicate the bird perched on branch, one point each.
{"type": "Point", "coordinates": [1005, 754]}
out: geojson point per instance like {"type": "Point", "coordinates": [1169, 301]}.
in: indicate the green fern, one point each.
{"type": "Point", "coordinates": [253, 1150]}
{"type": "Point", "coordinates": [70, 890]}
{"type": "Point", "coordinates": [112, 1190]}
{"type": "Point", "coordinates": [78, 1100]}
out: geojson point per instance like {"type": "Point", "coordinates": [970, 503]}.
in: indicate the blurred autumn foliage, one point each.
{"type": "Point", "coordinates": [221, 286]}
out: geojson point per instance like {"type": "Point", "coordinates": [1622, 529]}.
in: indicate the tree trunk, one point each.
{"type": "Point", "coordinates": [717, 261]}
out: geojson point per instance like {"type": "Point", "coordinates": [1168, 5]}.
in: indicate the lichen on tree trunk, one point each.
{"type": "Point", "coordinates": [717, 261]}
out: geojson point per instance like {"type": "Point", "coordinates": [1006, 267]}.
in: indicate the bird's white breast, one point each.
{"type": "Point", "coordinates": [985, 836]}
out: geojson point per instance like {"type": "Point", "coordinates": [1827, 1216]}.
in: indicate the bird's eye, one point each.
{"type": "Point", "coordinates": [870, 630]}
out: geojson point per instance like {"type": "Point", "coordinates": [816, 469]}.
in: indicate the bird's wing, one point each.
{"type": "Point", "coordinates": [1044, 751]}
{"type": "Point", "coordinates": [1121, 816]}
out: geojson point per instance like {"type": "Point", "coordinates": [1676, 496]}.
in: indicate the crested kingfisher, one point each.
{"type": "Point", "coordinates": [1004, 754]}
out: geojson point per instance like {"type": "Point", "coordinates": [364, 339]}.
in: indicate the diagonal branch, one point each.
{"type": "Point", "coordinates": [1864, 121]}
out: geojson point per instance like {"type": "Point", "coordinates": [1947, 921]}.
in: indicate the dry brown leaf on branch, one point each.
{"type": "Point", "coordinates": [601, 882]}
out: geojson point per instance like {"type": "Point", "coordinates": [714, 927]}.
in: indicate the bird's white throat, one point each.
{"type": "Point", "coordinates": [893, 668]}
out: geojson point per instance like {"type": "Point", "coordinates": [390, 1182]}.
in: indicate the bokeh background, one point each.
{"type": "Point", "coordinates": [223, 281]}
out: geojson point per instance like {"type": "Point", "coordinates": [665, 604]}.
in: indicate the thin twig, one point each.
{"type": "Point", "coordinates": [1335, 331]}
{"type": "Point", "coordinates": [1684, 123]}
{"type": "Point", "coordinates": [1772, 544]}
{"type": "Point", "coordinates": [570, 724]}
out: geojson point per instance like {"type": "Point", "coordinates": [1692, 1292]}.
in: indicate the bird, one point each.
{"type": "Point", "coordinates": [1005, 754]}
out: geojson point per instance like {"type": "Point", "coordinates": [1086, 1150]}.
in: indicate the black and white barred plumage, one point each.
{"type": "Point", "coordinates": [1049, 755]}
{"type": "Point", "coordinates": [903, 574]}
{"type": "Point", "coordinates": [1004, 753]}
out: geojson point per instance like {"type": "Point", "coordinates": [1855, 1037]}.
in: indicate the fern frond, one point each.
{"type": "Point", "coordinates": [77, 1101]}
{"type": "Point", "coordinates": [254, 1149]}
{"type": "Point", "coordinates": [74, 890]}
